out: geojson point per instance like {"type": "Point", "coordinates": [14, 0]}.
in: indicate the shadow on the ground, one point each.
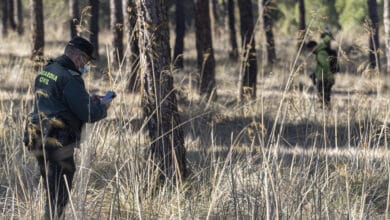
{"type": "Point", "coordinates": [265, 132]}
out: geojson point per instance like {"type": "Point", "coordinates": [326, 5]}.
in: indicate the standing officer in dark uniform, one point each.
{"type": "Point", "coordinates": [61, 106]}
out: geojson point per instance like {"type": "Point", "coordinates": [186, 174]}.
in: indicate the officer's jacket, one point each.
{"type": "Point", "coordinates": [60, 92]}
{"type": "Point", "coordinates": [323, 63]}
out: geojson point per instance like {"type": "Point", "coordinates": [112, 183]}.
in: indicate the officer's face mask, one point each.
{"type": "Point", "coordinates": [83, 69]}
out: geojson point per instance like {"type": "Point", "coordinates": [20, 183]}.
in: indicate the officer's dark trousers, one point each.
{"type": "Point", "coordinates": [324, 88]}
{"type": "Point", "coordinates": [57, 168]}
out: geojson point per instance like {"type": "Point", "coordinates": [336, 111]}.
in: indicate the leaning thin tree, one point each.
{"type": "Point", "coordinates": [166, 151]}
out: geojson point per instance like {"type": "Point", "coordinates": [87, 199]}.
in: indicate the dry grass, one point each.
{"type": "Point", "coordinates": [280, 156]}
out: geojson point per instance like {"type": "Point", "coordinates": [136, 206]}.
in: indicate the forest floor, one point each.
{"type": "Point", "coordinates": [282, 155]}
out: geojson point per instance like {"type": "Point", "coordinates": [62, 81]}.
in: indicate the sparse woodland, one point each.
{"type": "Point", "coordinates": [215, 115]}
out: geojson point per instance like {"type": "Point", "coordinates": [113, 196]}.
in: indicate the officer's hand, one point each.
{"type": "Point", "coordinates": [96, 98]}
{"type": "Point", "coordinates": [106, 102]}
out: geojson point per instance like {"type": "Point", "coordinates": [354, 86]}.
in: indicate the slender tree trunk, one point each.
{"type": "Point", "coordinates": [11, 14]}
{"type": "Point", "coordinates": [249, 59]}
{"type": "Point", "coordinates": [19, 15]}
{"type": "Point", "coordinates": [223, 10]}
{"type": "Point", "coordinates": [74, 15]}
{"type": "Point", "coordinates": [117, 31]}
{"type": "Point", "coordinates": [159, 97]}
{"type": "Point", "coordinates": [386, 21]}
{"type": "Point", "coordinates": [94, 26]}
{"type": "Point", "coordinates": [233, 54]}
{"type": "Point", "coordinates": [180, 32]}
{"type": "Point", "coordinates": [333, 16]}
{"type": "Point", "coordinates": [214, 9]}
{"type": "Point", "coordinates": [132, 50]}
{"type": "Point", "coordinates": [374, 34]}
{"type": "Point", "coordinates": [214, 16]}
{"type": "Point", "coordinates": [204, 47]}
{"type": "Point", "coordinates": [268, 7]}
{"type": "Point", "coordinates": [4, 17]}
{"type": "Point", "coordinates": [302, 22]}
{"type": "Point", "coordinates": [38, 40]}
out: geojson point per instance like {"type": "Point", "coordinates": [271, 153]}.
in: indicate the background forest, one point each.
{"type": "Point", "coordinates": [247, 136]}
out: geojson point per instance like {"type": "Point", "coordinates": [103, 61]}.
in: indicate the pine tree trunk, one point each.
{"type": "Point", "coordinates": [167, 149]}
{"type": "Point", "coordinates": [94, 26]}
{"type": "Point", "coordinates": [38, 40]}
{"type": "Point", "coordinates": [386, 22]}
{"type": "Point", "coordinates": [268, 7]}
{"type": "Point", "coordinates": [333, 16]}
{"type": "Point", "coordinates": [214, 9]}
{"type": "Point", "coordinates": [11, 14]}
{"type": "Point", "coordinates": [117, 32]}
{"type": "Point", "coordinates": [374, 34]}
{"type": "Point", "coordinates": [214, 16]}
{"type": "Point", "coordinates": [233, 54]}
{"type": "Point", "coordinates": [302, 22]}
{"type": "Point", "coordinates": [249, 59]}
{"type": "Point", "coordinates": [19, 15]}
{"type": "Point", "coordinates": [4, 18]}
{"type": "Point", "coordinates": [204, 47]}
{"type": "Point", "coordinates": [132, 50]}
{"type": "Point", "coordinates": [74, 17]}
{"type": "Point", "coordinates": [180, 32]}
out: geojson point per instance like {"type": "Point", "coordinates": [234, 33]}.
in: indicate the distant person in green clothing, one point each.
{"type": "Point", "coordinates": [327, 66]}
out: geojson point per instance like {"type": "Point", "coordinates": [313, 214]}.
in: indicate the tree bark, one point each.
{"type": "Point", "coordinates": [167, 149]}
{"type": "Point", "coordinates": [4, 17]}
{"type": "Point", "coordinates": [74, 15]}
{"type": "Point", "coordinates": [249, 59]}
{"type": "Point", "coordinates": [132, 49]}
{"type": "Point", "coordinates": [214, 9]}
{"type": "Point", "coordinates": [11, 14]}
{"type": "Point", "coordinates": [302, 22]}
{"type": "Point", "coordinates": [268, 7]}
{"type": "Point", "coordinates": [117, 32]}
{"type": "Point", "coordinates": [19, 15]}
{"type": "Point", "coordinates": [374, 34]}
{"type": "Point", "coordinates": [94, 26]}
{"type": "Point", "coordinates": [204, 47]}
{"type": "Point", "coordinates": [386, 22]}
{"type": "Point", "coordinates": [180, 32]}
{"type": "Point", "coordinates": [333, 16]}
{"type": "Point", "coordinates": [233, 54]}
{"type": "Point", "coordinates": [38, 40]}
